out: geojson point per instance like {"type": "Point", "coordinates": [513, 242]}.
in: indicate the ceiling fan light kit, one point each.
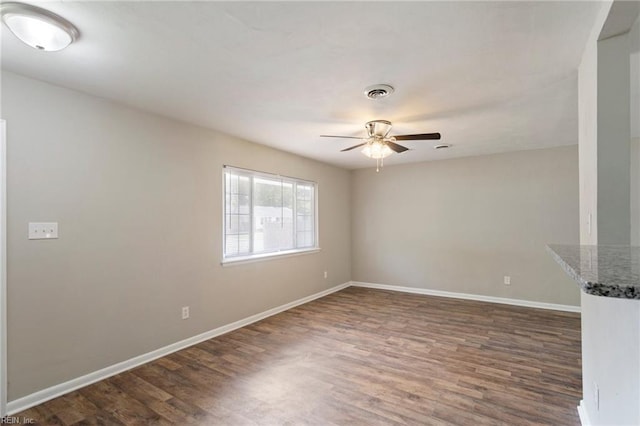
{"type": "Point", "coordinates": [378, 150]}
{"type": "Point", "coordinates": [37, 27]}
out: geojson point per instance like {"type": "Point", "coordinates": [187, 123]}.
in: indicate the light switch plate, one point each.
{"type": "Point", "coordinates": [43, 230]}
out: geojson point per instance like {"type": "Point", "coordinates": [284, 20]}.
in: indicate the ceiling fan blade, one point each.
{"type": "Point", "coordinates": [396, 148]}
{"type": "Point", "coordinates": [352, 147]}
{"type": "Point", "coordinates": [418, 137]}
{"type": "Point", "coordinates": [344, 137]}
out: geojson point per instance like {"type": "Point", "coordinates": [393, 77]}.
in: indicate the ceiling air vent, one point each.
{"type": "Point", "coordinates": [378, 91]}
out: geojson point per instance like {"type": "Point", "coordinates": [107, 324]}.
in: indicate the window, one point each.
{"type": "Point", "coordinates": [267, 214]}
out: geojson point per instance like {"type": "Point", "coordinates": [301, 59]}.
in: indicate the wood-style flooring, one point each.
{"type": "Point", "coordinates": [356, 357]}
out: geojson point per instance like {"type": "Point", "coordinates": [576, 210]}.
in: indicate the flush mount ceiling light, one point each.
{"type": "Point", "coordinates": [37, 27]}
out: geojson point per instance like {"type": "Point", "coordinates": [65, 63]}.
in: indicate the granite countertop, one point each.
{"type": "Point", "coordinates": [610, 271]}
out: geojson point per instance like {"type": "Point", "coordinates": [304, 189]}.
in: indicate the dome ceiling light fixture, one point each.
{"type": "Point", "coordinates": [37, 27]}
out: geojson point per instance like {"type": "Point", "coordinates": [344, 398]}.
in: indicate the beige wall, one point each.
{"type": "Point", "coordinates": [138, 201]}
{"type": "Point", "coordinates": [462, 225]}
{"type": "Point", "coordinates": [634, 73]}
{"type": "Point", "coordinates": [588, 141]}
{"type": "Point", "coordinates": [635, 191]}
{"type": "Point", "coordinates": [614, 178]}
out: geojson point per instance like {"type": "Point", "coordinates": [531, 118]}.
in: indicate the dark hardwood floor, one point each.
{"type": "Point", "coordinates": [357, 357]}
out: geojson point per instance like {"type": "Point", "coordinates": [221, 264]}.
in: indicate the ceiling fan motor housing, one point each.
{"type": "Point", "coordinates": [378, 128]}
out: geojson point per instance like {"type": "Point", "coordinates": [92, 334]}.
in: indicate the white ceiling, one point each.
{"type": "Point", "coordinates": [490, 76]}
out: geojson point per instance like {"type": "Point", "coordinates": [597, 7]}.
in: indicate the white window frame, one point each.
{"type": "Point", "coordinates": [238, 259]}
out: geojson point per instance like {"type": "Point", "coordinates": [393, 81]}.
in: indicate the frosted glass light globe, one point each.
{"type": "Point", "coordinates": [377, 149]}
{"type": "Point", "coordinates": [38, 27]}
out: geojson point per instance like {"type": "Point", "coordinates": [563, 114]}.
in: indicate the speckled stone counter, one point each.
{"type": "Point", "coordinates": [609, 271]}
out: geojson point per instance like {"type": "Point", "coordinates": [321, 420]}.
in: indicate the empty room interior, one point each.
{"type": "Point", "coordinates": [323, 213]}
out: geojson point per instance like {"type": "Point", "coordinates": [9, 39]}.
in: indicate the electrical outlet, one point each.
{"type": "Point", "coordinates": [326, 274]}
{"type": "Point", "coordinates": [185, 312]}
{"type": "Point", "coordinates": [507, 280]}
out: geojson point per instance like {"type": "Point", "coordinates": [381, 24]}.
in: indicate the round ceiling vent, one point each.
{"type": "Point", "coordinates": [378, 91]}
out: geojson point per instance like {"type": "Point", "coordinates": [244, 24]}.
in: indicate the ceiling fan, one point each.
{"type": "Point", "coordinates": [378, 144]}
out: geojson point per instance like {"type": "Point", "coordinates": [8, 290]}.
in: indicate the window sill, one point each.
{"type": "Point", "coordinates": [268, 256]}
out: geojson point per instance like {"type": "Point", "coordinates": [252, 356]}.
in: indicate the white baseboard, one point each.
{"type": "Point", "coordinates": [582, 412]}
{"type": "Point", "coordinates": [55, 391]}
{"type": "Point", "coordinates": [502, 300]}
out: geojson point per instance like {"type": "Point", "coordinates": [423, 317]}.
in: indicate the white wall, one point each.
{"type": "Point", "coordinates": [461, 225]}
{"type": "Point", "coordinates": [138, 201]}
{"type": "Point", "coordinates": [611, 360]}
